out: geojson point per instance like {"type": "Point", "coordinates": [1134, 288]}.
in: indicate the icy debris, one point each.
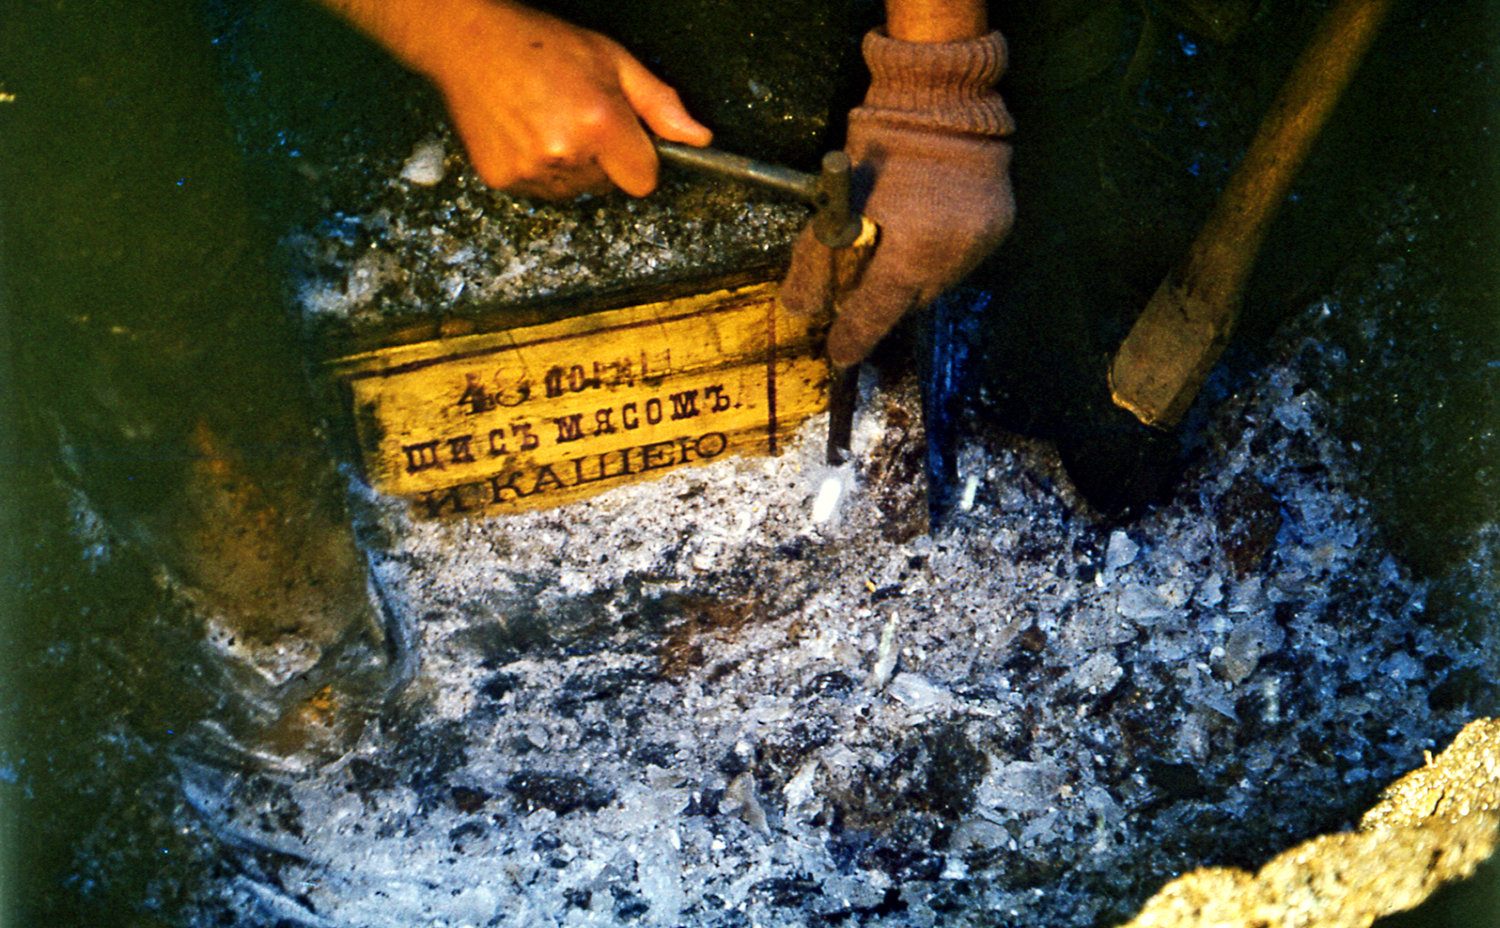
{"type": "Point", "coordinates": [1295, 413]}
{"type": "Point", "coordinates": [425, 167]}
{"type": "Point", "coordinates": [1210, 591]}
{"type": "Point", "coordinates": [798, 791]}
{"type": "Point", "coordinates": [740, 798]}
{"type": "Point", "coordinates": [886, 654]}
{"type": "Point", "coordinates": [918, 693]}
{"type": "Point", "coordinates": [1021, 786]}
{"type": "Point", "coordinates": [1402, 667]}
{"type": "Point", "coordinates": [1121, 552]}
{"type": "Point", "coordinates": [1141, 603]}
{"type": "Point", "coordinates": [1098, 800]}
{"type": "Point", "coordinates": [1248, 643]}
{"type": "Point", "coordinates": [1248, 596]}
{"type": "Point", "coordinates": [90, 529]}
{"type": "Point", "coordinates": [885, 694]}
{"type": "Point", "coordinates": [830, 492]}
{"type": "Point", "coordinates": [969, 492]}
{"type": "Point", "coordinates": [659, 875]}
{"type": "Point", "coordinates": [1175, 592]}
{"type": "Point", "coordinates": [1098, 674]}
{"type": "Point", "coordinates": [1192, 739]}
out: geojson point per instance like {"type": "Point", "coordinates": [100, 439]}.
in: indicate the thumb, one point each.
{"type": "Point", "coordinates": [658, 104]}
{"type": "Point", "coordinates": [866, 315]}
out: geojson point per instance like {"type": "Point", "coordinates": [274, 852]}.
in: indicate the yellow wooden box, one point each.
{"type": "Point", "coordinates": [549, 413]}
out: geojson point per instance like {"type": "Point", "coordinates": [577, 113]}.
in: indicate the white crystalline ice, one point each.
{"type": "Point", "coordinates": [1401, 666]}
{"type": "Point", "coordinates": [659, 873]}
{"type": "Point", "coordinates": [425, 167]}
{"type": "Point", "coordinates": [1020, 786]}
{"type": "Point", "coordinates": [1099, 673]}
{"type": "Point", "coordinates": [1141, 603]}
{"type": "Point", "coordinates": [918, 693]}
{"type": "Point", "coordinates": [1121, 552]}
{"type": "Point", "coordinates": [798, 791]}
{"type": "Point", "coordinates": [826, 502]}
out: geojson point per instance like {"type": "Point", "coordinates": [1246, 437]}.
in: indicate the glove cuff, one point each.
{"type": "Point", "coordinates": [936, 85]}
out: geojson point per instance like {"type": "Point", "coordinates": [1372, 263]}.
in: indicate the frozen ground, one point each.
{"type": "Point", "coordinates": [431, 239]}
{"type": "Point", "coordinates": [686, 703]}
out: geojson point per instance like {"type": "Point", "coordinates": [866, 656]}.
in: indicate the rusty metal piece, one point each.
{"type": "Point", "coordinates": [843, 396]}
{"type": "Point", "coordinates": [1160, 367]}
{"type": "Point", "coordinates": [848, 263]}
{"type": "Point", "coordinates": [835, 223]}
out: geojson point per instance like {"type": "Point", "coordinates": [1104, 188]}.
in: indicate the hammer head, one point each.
{"type": "Point", "coordinates": [834, 221]}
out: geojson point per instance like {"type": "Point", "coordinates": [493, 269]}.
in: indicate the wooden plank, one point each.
{"type": "Point", "coordinates": [549, 414]}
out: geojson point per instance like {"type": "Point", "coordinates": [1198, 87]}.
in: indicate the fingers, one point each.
{"type": "Point", "coordinates": [864, 314]}
{"type": "Point", "coordinates": [552, 166]}
{"type": "Point", "coordinates": [491, 158]}
{"type": "Point", "coordinates": [867, 314]}
{"type": "Point", "coordinates": [658, 104]}
{"type": "Point", "coordinates": [626, 154]}
{"type": "Point", "coordinates": [564, 116]}
{"type": "Point", "coordinates": [807, 288]}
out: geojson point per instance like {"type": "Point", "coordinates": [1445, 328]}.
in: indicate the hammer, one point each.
{"type": "Point", "coordinates": [835, 223]}
{"type": "Point", "coordinates": [1163, 362]}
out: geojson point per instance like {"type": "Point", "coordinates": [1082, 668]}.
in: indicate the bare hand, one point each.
{"type": "Point", "coordinates": [546, 108]}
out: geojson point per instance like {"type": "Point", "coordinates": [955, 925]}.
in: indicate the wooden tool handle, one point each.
{"type": "Point", "coordinates": [1162, 363]}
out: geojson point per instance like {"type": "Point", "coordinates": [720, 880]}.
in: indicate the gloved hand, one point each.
{"type": "Point", "coordinates": [932, 166]}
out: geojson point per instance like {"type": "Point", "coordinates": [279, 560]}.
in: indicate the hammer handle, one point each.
{"type": "Point", "coordinates": [737, 167]}
{"type": "Point", "coordinates": [1163, 362]}
{"type": "Point", "coordinates": [1226, 247]}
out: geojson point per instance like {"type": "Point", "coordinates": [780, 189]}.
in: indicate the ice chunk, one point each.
{"type": "Point", "coordinates": [1102, 804]}
{"type": "Point", "coordinates": [1175, 592]}
{"type": "Point", "coordinates": [1295, 413]}
{"type": "Point", "coordinates": [1141, 603]}
{"type": "Point", "coordinates": [740, 797]}
{"type": "Point", "coordinates": [1021, 786]}
{"type": "Point", "coordinates": [826, 503]}
{"type": "Point", "coordinates": [1191, 740]}
{"type": "Point", "coordinates": [798, 791]}
{"type": "Point", "coordinates": [971, 489]}
{"type": "Point", "coordinates": [425, 167]}
{"type": "Point", "coordinates": [1247, 644]}
{"type": "Point", "coordinates": [885, 656]}
{"type": "Point", "coordinates": [918, 693]}
{"type": "Point", "coordinates": [1121, 551]}
{"type": "Point", "coordinates": [1401, 667]}
{"type": "Point", "coordinates": [1211, 591]}
{"type": "Point", "coordinates": [659, 872]}
{"type": "Point", "coordinates": [1099, 673]}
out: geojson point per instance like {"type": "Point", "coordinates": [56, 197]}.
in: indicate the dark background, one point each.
{"type": "Point", "coordinates": [140, 199]}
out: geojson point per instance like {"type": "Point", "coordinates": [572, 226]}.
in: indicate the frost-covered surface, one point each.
{"type": "Point", "coordinates": [430, 238]}
{"type": "Point", "coordinates": [686, 703]}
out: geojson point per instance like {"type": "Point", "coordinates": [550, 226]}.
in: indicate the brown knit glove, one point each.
{"type": "Point", "coordinates": [932, 165]}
